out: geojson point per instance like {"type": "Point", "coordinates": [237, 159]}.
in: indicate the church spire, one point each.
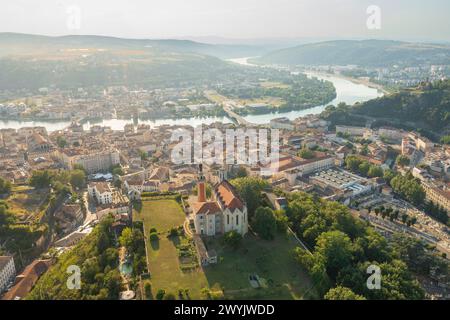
{"type": "Point", "coordinates": [201, 188]}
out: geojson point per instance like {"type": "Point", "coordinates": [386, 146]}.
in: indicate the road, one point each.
{"type": "Point", "coordinates": [90, 215]}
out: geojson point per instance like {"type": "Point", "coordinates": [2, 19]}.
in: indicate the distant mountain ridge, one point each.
{"type": "Point", "coordinates": [372, 53]}
{"type": "Point", "coordinates": [17, 44]}
{"type": "Point", "coordinates": [31, 62]}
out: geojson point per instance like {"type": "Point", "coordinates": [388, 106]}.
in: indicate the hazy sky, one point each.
{"type": "Point", "coordinates": [400, 19]}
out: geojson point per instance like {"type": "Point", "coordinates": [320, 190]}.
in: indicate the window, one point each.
{"type": "Point", "coordinates": [237, 220]}
{"type": "Point", "coordinates": [228, 219]}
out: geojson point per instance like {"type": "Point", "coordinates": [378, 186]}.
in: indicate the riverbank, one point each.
{"type": "Point", "coordinates": [348, 91]}
{"type": "Point", "coordinates": [361, 81]}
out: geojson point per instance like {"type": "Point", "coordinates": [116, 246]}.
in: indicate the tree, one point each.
{"type": "Point", "coordinates": [241, 172]}
{"type": "Point", "coordinates": [77, 179]}
{"type": "Point", "coordinates": [397, 283]}
{"type": "Point", "coordinates": [232, 239]}
{"type": "Point", "coordinates": [78, 166]}
{"type": "Point", "coordinates": [334, 248]}
{"type": "Point", "coordinates": [404, 218]}
{"type": "Point", "coordinates": [117, 170]}
{"type": "Point", "coordinates": [41, 179]}
{"type": "Point", "coordinates": [364, 168]}
{"type": "Point", "coordinates": [169, 296]}
{"type": "Point", "coordinates": [388, 175]}
{"type": "Point", "coordinates": [143, 155]}
{"type": "Point", "coordinates": [402, 160]}
{"type": "Point", "coordinates": [154, 236]}
{"type": "Point", "coordinates": [281, 220]}
{"type": "Point", "coordinates": [306, 153]}
{"type": "Point", "coordinates": [264, 223]}
{"type": "Point", "coordinates": [352, 163]}
{"type": "Point", "coordinates": [160, 294]}
{"type": "Point", "coordinates": [61, 141]}
{"type": "Point", "coordinates": [250, 188]}
{"type": "Point", "coordinates": [126, 238]}
{"type": "Point", "coordinates": [375, 171]}
{"type": "Point", "coordinates": [5, 186]}
{"type": "Point", "coordinates": [408, 188]}
{"type": "Point", "coordinates": [342, 293]}
{"type": "Point", "coordinates": [98, 259]}
{"type": "Point", "coordinates": [148, 289]}
{"type": "Point", "coordinates": [445, 140]}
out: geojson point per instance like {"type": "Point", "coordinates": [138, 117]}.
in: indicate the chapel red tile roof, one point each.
{"type": "Point", "coordinates": [227, 195]}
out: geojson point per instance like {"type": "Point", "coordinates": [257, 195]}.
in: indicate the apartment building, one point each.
{"type": "Point", "coordinates": [437, 195]}
{"type": "Point", "coordinates": [7, 272]}
{"type": "Point", "coordinates": [282, 123]}
{"type": "Point", "coordinates": [91, 161]}
{"type": "Point", "coordinates": [101, 192]}
{"type": "Point", "coordinates": [351, 130]}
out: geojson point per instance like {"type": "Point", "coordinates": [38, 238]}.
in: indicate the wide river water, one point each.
{"type": "Point", "coordinates": [346, 91]}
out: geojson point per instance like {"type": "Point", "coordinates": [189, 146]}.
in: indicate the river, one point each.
{"type": "Point", "coordinates": [346, 91]}
{"type": "Point", "coordinates": [114, 124]}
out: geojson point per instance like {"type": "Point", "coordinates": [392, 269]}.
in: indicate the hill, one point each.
{"type": "Point", "coordinates": [24, 44]}
{"type": "Point", "coordinates": [371, 53]}
{"type": "Point", "coordinates": [425, 108]}
{"type": "Point", "coordinates": [31, 62]}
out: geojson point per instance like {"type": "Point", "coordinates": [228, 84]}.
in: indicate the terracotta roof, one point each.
{"type": "Point", "coordinates": [285, 163]}
{"type": "Point", "coordinates": [103, 187]}
{"type": "Point", "coordinates": [228, 197]}
{"type": "Point", "coordinates": [151, 183]}
{"type": "Point", "coordinates": [206, 207]}
{"type": "Point", "coordinates": [26, 281]}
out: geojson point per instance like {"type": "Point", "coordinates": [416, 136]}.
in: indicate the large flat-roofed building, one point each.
{"type": "Point", "coordinates": [282, 123]}
{"type": "Point", "coordinates": [287, 165]}
{"type": "Point", "coordinates": [7, 272]}
{"type": "Point", "coordinates": [342, 182]}
{"type": "Point", "coordinates": [91, 161]}
{"type": "Point", "coordinates": [351, 130]}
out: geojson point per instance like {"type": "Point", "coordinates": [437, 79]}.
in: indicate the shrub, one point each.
{"type": "Point", "coordinates": [169, 296]}
{"type": "Point", "coordinates": [154, 236]}
{"type": "Point", "coordinates": [232, 239]}
{"type": "Point", "coordinates": [160, 294]}
{"type": "Point", "coordinates": [173, 232]}
{"type": "Point", "coordinates": [148, 289]}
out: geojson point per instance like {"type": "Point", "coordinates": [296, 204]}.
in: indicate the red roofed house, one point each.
{"type": "Point", "coordinates": [25, 281]}
{"type": "Point", "coordinates": [226, 212]}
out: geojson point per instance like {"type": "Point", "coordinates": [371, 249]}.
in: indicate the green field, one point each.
{"type": "Point", "coordinates": [163, 261]}
{"type": "Point", "coordinates": [162, 214]}
{"type": "Point", "coordinates": [272, 261]}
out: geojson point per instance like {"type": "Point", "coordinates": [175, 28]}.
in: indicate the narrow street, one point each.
{"type": "Point", "coordinates": [90, 210]}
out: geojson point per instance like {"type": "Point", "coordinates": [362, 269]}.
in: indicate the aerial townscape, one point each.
{"type": "Point", "coordinates": [95, 203]}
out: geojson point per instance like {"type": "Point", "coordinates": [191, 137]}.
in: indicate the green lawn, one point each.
{"type": "Point", "coordinates": [161, 214]}
{"type": "Point", "coordinates": [163, 262]}
{"type": "Point", "coordinates": [271, 260]}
